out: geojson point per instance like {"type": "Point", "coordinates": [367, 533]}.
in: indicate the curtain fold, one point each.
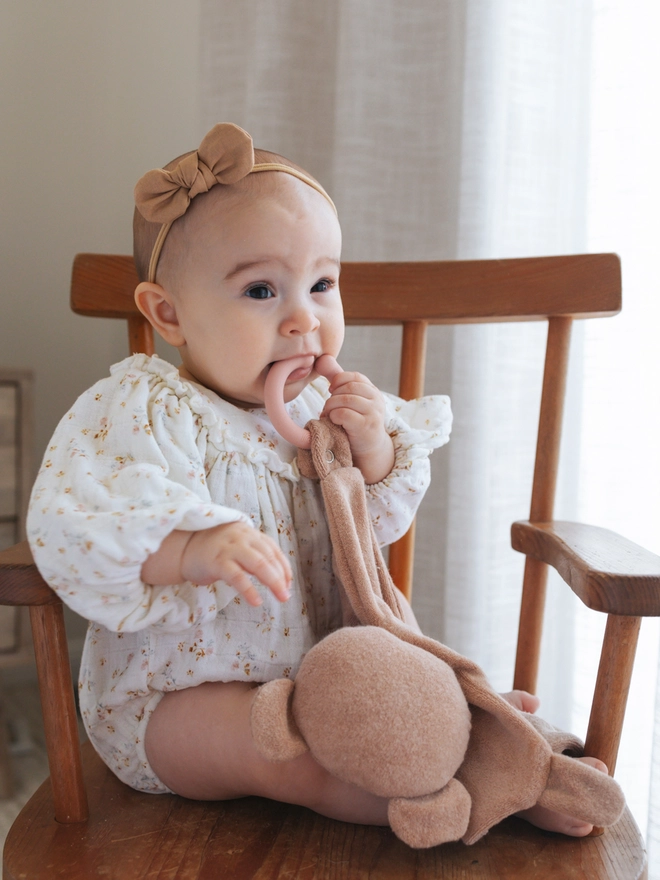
{"type": "Point", "coordinates": [620, 438]}
{"type": "Point", "coordinates": [448, 130]}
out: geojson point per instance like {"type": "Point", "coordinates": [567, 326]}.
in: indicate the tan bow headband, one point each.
{"type": "Point", "coordinates": [226, 155]}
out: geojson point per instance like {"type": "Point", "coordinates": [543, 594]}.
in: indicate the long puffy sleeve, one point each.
{"type": "Point", "coordinates": [125, 467]}
{"type": "Point", "coordinates": [417, 427]}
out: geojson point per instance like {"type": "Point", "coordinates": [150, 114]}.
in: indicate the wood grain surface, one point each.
{"type": "Point", "coordinates": [608, 572]}
{"type": "Point", "coordinates": [20, 582]}
{"type": "Point", "coordinates": [612, 686]}
{"type": "Point", "coordinates": [412, 373]}
{"type": "Point", "coordinates": [584, 285]}
{"type": "Point", "coordinates": [59, 713]}
{"type": "Point", "coordinates": [546, 462]}
{"type": "Point", "coordinates": [165, 837]}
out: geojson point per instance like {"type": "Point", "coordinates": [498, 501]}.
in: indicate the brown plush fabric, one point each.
{"type": "Point", "coordinates": [274, 730]}
{"type": "Point", "coordinates": [383, 715]}
{"type": "Point", "coordinates": [363, 678]}
{"type": "Point", "coordinates": [509, 762]}
{"type": "Point", "coordinates": [417, 820]}
{"type": "Point", "coordinates": [560, 741]}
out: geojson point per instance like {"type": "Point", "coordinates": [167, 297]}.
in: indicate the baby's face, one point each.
{"type": "Point", "coordinates": [261, 283]}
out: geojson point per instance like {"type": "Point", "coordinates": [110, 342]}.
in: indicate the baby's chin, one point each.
{"type": "Point", "coordinates": [251, 397]}
{"type": "Point", "coordinates": [256, 401]}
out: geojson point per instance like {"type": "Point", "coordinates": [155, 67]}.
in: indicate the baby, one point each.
{"type": "Point", "coordinates": [170, 513]}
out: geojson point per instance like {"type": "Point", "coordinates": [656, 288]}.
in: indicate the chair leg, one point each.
{"type": "Point", "coordinates": [6, 770]}
{"type": "Point", "coordinates": [59, 712]}
{"type": "Point", "coordinates": [612, 686]}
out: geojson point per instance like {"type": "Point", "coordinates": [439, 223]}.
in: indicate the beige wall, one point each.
{"type": "Point", "coordinates": [93, 94]}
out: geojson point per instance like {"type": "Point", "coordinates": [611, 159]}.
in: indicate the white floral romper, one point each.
{"type": "Point", "coordinates": [144, 452]}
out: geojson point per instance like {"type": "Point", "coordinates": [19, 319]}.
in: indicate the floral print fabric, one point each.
{"type": "Point", "coordinates": [144, 452]}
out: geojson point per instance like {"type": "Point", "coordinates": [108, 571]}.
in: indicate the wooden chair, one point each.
{"type": "Point", "coordinates": [83, 822]}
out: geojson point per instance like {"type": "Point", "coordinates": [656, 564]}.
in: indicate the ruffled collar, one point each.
{"type": "Point", "coordinates": [230, 428]}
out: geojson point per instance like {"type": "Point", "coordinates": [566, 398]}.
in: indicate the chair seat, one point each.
{"type": "Point", "coordinates": [131, 835]}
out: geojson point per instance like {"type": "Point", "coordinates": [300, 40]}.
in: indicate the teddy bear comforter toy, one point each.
{"type": "Point", "coordinates": [401, 715]}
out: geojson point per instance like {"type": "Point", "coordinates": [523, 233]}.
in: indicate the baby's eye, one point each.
{"type": "Point", "coordinates": [260, 291]}
{"type": "Point", "coordinates": [321, 286]}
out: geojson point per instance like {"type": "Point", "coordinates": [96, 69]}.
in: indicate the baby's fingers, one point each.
{"type": "Point", "coordinates": [236, 553]}
{"type": "Point", "coordinates": [238, 578]}
{"type": "Point", "coordinates": [349, 378]}
{"type": "Point", "coordinates": [268, 571]}
{"type": "Point", "coordinates": [350, 402]}
{"type": "Point", "coordinates": [271, 568]}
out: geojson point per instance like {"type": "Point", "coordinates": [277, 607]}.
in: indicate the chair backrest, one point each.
{"type": "Point", "coordinates": [414, 295]}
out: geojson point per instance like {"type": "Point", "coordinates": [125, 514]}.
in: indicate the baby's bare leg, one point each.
{"type": "Point", "coordinates": [199, 744]}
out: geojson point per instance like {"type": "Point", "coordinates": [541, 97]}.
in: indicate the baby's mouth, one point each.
{"type": "Point", "coordinates": [301, 372]}
{"type": "Point", "coordinates": [288, 370]}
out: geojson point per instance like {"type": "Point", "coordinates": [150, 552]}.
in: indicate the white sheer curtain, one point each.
{"type": "Point", "coordinates": [620, 461]}
{"type": "Point", "coordinates": [452, 130]}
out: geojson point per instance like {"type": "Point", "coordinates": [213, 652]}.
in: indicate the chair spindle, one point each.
{"type": "Point", "coordinates": [411, 384]}
{"type": "Point", "coordinates": [543, 495]}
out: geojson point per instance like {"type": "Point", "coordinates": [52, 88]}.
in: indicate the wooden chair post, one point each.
{"type": "Point", "coordinates": [608, 706]}
{"type": "Point", "coordinates": [59, 713]}
{"type": "Point", "coordinates": [411, 384]}
{"type": "Point", "coordinates": [543, 497]}
{"type": "Point", "coordinates": [140, 335]}
{"type": "Point", "coordinates": [612, 685]}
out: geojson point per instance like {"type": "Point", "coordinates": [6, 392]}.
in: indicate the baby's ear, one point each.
{"type": "Point", "coordinates": [158, 307]}
{"type": "Point", "coordinates": [575, 788]}
{"type": "Point", "coordinates": [432, 819]}
{"type": "Point", "coordinates": [275, 733]}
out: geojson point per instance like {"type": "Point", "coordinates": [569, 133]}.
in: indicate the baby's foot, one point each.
{"type": "Point", "coordinates": [548, 820]}
{"type": "Point", "coordinates": [522, 700]}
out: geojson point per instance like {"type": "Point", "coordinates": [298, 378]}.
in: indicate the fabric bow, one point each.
{"type": "Point", "coordinates": [224, 156]}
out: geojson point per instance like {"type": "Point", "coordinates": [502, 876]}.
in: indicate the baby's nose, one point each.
{"type": "Point", "coordinates": [299, 322]}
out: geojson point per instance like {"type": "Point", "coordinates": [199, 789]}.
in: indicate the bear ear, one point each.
{"type": "Point", "coordinates": [580, 790]}
{"type": "Point", "coordinates": [432, 818]}
{"type": "Point", "coordinates": [275, 733]}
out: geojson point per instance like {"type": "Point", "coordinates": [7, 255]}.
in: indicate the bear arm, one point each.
{"type": "Point", "coordinates": [582, 791]}
{"type": "Point", "coordinates": [275, 733]}
{"type": "Point", "coordinates": [431, 819]}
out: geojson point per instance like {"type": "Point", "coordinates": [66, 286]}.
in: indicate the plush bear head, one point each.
{"type": "Point", "coordinates": [382, 714]}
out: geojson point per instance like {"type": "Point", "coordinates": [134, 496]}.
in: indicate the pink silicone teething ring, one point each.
{"type": "Point", "coordinates": [326, 365]}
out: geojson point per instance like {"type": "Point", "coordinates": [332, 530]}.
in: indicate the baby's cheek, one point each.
{"type": "Point", "coordinates": [333, 335]}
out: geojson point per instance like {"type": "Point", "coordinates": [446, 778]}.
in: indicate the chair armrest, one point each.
{"type": "Point", "coordinates": [20, 581]}
{"type": "Point", "coordinates": [607, 572]}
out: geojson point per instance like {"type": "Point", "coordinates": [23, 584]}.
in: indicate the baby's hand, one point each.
{"type": "Point", "coordinates": [358, 406]}
{"type": "Point", "coordinates": [232, 553]}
